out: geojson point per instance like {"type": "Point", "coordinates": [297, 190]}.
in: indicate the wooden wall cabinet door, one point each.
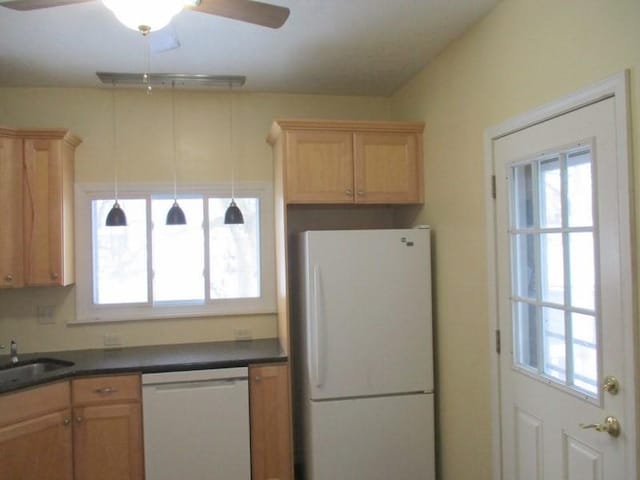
{"type": "Point", "coordinates": [348, 162]}
{"type": "Point", "coordinates": [270, 408]}
{"type": "Point", "coordinates": [11, 240]}
{"type": "Point", "coordinates": [35, 434]}
{"type": "Point", "coordinates": [48, 212]}
{"type": "Point", "coordinates": [388, 168]}
{"type": "Point", "coordinates": [319, 167]}
{"type": "Point", "coordinates": [107, 428]}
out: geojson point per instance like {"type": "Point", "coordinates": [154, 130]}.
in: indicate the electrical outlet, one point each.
{"type": "Point", "coordinates": [45, 314]}
{"type": "Point", "coordinates": [111, 340]}
{"type": "Point", "coordinates": [242, 334]}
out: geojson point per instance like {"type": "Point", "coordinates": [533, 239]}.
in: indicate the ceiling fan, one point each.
{"type": "Point", "coordinates": [139, 14]}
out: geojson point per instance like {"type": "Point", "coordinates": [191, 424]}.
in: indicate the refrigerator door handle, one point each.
{"type": "Point", "coordinates": [316, 340]}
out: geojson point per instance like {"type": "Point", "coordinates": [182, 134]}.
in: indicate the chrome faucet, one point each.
{"type": "Point", "coordinates": [14, 352]}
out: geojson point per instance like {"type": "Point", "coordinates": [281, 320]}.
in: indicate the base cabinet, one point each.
{"type": "Point", "coordinates": [270, 409]}
{"type": "Point", "coordinates": [107, 428]}
{"type": "Point", "coordinates": [36, 433]}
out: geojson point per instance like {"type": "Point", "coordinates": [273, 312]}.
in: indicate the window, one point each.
{"type": "Point", "coordinates": [152, 270]}
{"type": "Point", "coordinates": [552, 232]}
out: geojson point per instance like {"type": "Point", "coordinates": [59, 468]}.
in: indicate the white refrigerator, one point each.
{"type": "Point", "coordinates": [366, 361]}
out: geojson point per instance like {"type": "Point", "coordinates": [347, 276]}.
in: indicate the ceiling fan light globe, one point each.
{"type": "Point", "coordinates": [152, 14]}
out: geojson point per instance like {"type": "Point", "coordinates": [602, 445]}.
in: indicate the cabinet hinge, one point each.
{"type": "Point", "coordinates": [498, 343]}
{"type": "Point", "coordinates": [493, 186]}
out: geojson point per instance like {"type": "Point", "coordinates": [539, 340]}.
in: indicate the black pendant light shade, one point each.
{"type": "Point", "coordinates": [116, 216]}
{"type": "Point", "coordinates": [233, 215]}
{"type": "Point", "coordinates": [175, 216]}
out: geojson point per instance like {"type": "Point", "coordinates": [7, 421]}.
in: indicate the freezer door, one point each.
{"type": "Point", "coordinates": [367, 310]}
{"type": "Point", "coordinates": [378, 438]}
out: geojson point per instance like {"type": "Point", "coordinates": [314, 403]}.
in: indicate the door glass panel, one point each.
{"type": "Point", "coordinates": [523, 196]}
{"type": "Point", "coordinates": [553, 269]}
{"type": "Point", "coordinates": [554, 343]}
{"type": "Point", "coordinates": [550, 194]}
{"type": "Point", "coordinates": [525, 263]}
{"type": "Point", "coordinates": [585, 352]}
{"type": "Point", "coordinates": [579, 189]}
{"type": "Point", "coordinates": [526, 334]}
{"type": "Point", "coordinates": [582, 270]}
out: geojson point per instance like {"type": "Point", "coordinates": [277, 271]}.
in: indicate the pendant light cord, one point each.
{"type": "Point", "coordinates": [233, 179]}
{"type": "Point", "coordinates": [146, 77]}
{"type": "Point", "coordinates": [114, 140]}
{"type": "Point", "coordinates": [175, 148]}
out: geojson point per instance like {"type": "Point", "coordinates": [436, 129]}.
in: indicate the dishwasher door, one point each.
{"type": "Point", "coordinates": [196, 425]}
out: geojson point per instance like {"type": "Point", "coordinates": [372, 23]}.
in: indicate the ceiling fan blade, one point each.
{"type": "Point", "coordinates": [265, 14]}
{"type": "Point", "coordinates": [37, 4]}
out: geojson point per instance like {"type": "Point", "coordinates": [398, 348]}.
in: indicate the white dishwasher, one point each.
{"type": "Point", "coordinates": [196, 425]}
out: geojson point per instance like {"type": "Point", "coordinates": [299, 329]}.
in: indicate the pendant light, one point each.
{"type": "Point", "coordinates": [116, 216]}
{"type": "Point", "coordinates": [175, 216]}
{"type": "Point", "coordinates": [233, 215]}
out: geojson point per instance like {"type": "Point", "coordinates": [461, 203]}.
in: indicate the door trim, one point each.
{"type": "Point", "coordinates": [616, 86]}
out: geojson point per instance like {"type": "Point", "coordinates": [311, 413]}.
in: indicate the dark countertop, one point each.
{"type": "Point", "coordinates": [149, 359]}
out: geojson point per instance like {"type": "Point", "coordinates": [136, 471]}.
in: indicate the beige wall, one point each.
{"type": "Point", "coordinates": [145, 143]}
{"type": "Point", "coordinates": [523, 54]}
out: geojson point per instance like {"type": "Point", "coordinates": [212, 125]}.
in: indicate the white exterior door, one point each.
{"type": "Point", "coordinates": [563, 268]}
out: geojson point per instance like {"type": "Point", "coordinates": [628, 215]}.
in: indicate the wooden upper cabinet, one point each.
{"type": "Point", "coordinates": [343, 162]}
{"type": "Point", "coordinates": [319, 167]}
{"type": "Point", "coordinates": [11, 240]}
{"type": "Point", "coordinates": [40, 168]}
{"type": "Point", "coordinates": [387, 168]}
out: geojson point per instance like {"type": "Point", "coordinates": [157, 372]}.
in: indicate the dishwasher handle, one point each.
{"type": "Point", "coordinates": [226, 383]}
{"type": "Point", "coordinates": [186, 376]}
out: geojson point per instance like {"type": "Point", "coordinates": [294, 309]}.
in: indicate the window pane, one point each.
{"type": "Point", "coordinates": [525, 266]}
{"type": "Point", "coordinates": [526, 334]}
{"type": "Point", "coordinates": [178, 252]}
{"type": "Point", "coordinates": [554, 343]}
{"type": "Point", "coordinates": [552, 268]}
{"type": "Point", "coordinates": [585, 365]}
{"type": "Point", "coordinates": [579, 189]}
{"type": "Point", "coordinates": [120, 254]}
{"type": "Point", "coordinates": [523, 196]}
{"type": "Point", "coordinates": [234, 250]}
{"type": "Point", "coordinates": [582, 270]}
{"type": "Point", "coordinates": [550, 194]}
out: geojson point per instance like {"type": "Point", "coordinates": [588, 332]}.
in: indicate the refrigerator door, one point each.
{"type": "Point", "coordinates": [378, 438]}
{"type": "Point", "coordinates": [367, 312]}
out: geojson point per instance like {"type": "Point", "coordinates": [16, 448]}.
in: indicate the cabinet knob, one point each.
{"type": "Point", "coordinates": [79, 419]}
{"type": "Point", "coordinates": [54, 276]}
{"type": "Point", "coordinates": [9, 278]}
{"type": "Point", "coordinates": [66, 421]}
{"type": "Point", "coordinates": [361, 193]}
{"type": "Point", "coordinates": [257, 378]}
{"type": "Point", "coordinates": [348, 192]}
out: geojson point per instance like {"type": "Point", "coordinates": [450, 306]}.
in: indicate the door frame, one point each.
{"type": "Point", "coordinates": [616, 86]}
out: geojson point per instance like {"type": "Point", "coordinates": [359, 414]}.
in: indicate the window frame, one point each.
{"type": "Point", "coordinates": [88, 312]}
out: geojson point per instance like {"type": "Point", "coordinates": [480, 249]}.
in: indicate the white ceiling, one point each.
{"type": "Point", "coordinates": [346, 47]}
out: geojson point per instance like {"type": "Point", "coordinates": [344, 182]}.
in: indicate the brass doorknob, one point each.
{"type": "Point", "coordinates": [611, 385]}
{"type": "Point", "coordinates": [611, 426]}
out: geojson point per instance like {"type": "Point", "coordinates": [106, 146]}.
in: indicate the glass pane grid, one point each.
{"type": "Point", "coordinates": [553, 269]}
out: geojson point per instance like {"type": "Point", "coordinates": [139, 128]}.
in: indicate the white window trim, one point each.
{"type": "Point", "coordinates": [87, 312]}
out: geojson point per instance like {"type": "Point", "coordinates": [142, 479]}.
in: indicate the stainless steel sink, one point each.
{"type": "Point", "coordinates": [30, 370]}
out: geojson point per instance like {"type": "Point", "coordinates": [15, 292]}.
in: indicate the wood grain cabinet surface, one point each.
{"type": "Point", "coordinates": [342, 162]}
{"type": "Point", "coordinates": [107, 428]}
{"type": "Point", "coordinates": [36, 202]}
{"type": "Point", "coordinates": [270, 412]}
{"type": "Point", "coordinates": [36, 433]}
